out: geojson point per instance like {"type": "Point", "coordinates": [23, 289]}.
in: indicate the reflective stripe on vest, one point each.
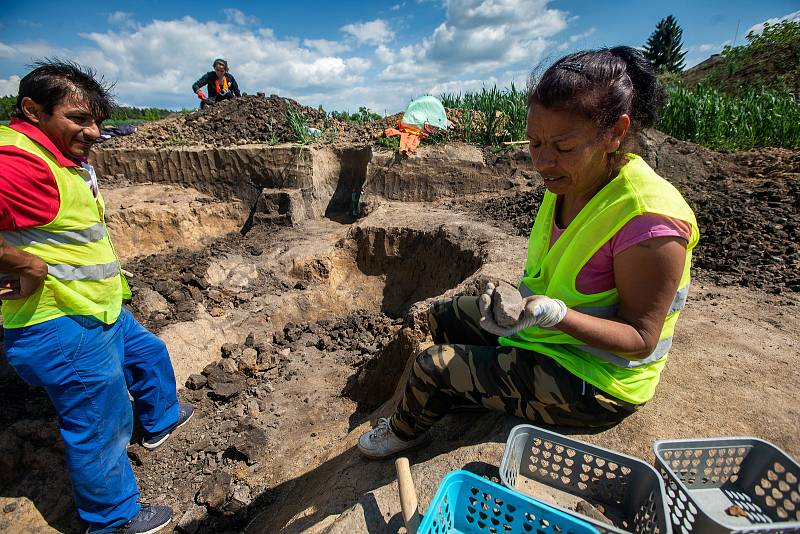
{"type": "Point", "coordinates": [607, 312]}
{"type": "Point", "coordinates": [84, 272]}
{"type": "Point", "coordinates": [36, 236]}
{"type": "Point", "coordinates": [662, 348]}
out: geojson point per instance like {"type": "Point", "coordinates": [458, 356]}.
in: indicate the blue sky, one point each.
{"type": "Point", "coordinates": [346, 54]}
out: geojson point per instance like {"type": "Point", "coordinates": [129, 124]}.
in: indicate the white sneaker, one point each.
{"type": "Point", "coordinates": [381, 441]}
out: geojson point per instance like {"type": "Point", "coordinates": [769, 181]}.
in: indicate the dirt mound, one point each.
{"type": "Point", "coordinates": [249, 119]}
{"type": "Point", "coordinates": [746, 205]}
{"type": "Point", "coordinates": [265, 120]}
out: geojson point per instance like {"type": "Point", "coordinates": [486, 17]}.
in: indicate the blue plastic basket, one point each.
{"type": "Point", "coordinates": [467, 503]}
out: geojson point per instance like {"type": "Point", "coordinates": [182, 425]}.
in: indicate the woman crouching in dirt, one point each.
{"type": "Point", "coordinates": [606, 276]}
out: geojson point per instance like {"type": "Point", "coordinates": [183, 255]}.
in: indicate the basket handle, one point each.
{"type": "Point", "coordinates": [408, 495]}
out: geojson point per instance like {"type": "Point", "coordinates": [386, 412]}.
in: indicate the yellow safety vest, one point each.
{"type": "Point", "coordinates": [637, 189]}
{"type": "Point", "coordinates": [83, 270]}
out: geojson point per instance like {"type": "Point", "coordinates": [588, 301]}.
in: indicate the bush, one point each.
{"type": "Point", "coordinates": [7, 104]}
{"type": "Point", "coordinates": [364, 115]}
{"type": "Point", "coordinates": [783, 32]}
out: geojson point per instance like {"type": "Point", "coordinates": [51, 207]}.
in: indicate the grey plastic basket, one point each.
{"type": "Point", "coordinates": [706, 476]}
{"type": "Point", "coordinates": [631, 491]}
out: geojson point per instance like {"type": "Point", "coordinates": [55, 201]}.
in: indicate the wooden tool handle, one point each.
{"type": "Point", "coordinates": [508, 143]}
{"type": "Point", "coordinates": [408, 495]}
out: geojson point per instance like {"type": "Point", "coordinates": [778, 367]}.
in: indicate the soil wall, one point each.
{"type": "Point", "coordinates": [325, 176]}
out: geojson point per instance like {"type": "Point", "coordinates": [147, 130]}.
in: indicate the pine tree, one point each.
{"type": "Point", "coordinates": [664, 45]}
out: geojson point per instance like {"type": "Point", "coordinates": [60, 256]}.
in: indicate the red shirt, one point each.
{"type": "Point", "coordinates": [28, 191]}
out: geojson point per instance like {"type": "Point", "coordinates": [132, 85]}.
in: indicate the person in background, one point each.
{"type": "Point", "coordinates": [62, 291]}
{"type": "Point", "coordinates": [220, 85]}
{"type": "Point", "coordinates": [606, 277]}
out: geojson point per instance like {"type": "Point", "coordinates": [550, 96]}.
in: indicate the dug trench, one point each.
{"type": "Point", "coordinates": [291, 337]}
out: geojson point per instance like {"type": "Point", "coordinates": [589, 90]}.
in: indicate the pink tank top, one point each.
{"type": "Point", "coordinates": [598, 273]}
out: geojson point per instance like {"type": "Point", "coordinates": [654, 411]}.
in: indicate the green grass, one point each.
{"type": "Point", "coordinates": [749, 119]}
{"type": "Point", "coordinates": [508, 125]}
{"type": "Point", "coordinates": [297, 124]}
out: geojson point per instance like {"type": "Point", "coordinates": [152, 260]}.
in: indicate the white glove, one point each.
{"type": "Point", "coordinates": [537, 310]}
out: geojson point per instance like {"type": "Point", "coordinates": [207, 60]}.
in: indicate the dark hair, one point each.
{"type": "Point", "coordinates": [602, 85]}
{"type": "Point", "coordinates": [52, 81]}
{"type": "Point", "coordinates": [220, 61]}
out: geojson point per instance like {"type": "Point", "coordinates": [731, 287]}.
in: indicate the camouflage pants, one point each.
{"type": "Point", "coordinates": [467, 366]}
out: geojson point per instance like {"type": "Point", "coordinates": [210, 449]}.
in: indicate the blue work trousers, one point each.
{"type": "Point", "coordinates": [88, 368]}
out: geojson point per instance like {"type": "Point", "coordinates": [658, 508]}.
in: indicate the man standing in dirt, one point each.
{"type": "Point", "coordinates": [62, 290]}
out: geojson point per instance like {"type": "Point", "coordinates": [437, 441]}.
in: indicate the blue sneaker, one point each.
{"type": "Point", "coordinates": [150, 519]}
{"type": "Point", "coordinates": [185, 412]}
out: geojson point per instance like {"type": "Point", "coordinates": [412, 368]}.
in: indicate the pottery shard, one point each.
{"type": "Point", "coordinates": [506, 305]}
{"type": "Point", "coordinates": [736, 511]}
{"type": "Point", "coordinates": [590, 510]}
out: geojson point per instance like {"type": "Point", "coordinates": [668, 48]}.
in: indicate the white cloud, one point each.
{"type": "Point", "coordinates": [374, 32]}
{"type": "Point", "coordinates": [484, 36]}
{"type": "Point", "coordinates": [9, 86]}
{"type": "Point", "coordinates": [259, 60]}
{"type": "Point", "coordinates": [31, 51]}
{"type": "Point", "coordinates": [758, 28]}
{"type": "Point", "coordinates": [358, 64]}
{"type": "Point", "coordinates": [475, 44]}
{"type": "Point", "coordinates": [462, 86]}
{"type": "Point", "coordinates": [709, 48]}
{"type": "Point", "coordinates": [325, 46]}
{"type": "Point", "coordinates": [237, 17]}
{"type": "Point", "coordinates": [575, 39]}
{"type": "Point", "coordinates": [384, 54]}
{"type": "Point", "coordinates": [119, 17]}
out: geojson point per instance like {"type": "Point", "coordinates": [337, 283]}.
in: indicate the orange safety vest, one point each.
{"type": "Point", "coordinates": [224, 84]}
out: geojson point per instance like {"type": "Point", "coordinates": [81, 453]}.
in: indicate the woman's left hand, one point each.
{"type": "Point", "coordinates": [538, 310]}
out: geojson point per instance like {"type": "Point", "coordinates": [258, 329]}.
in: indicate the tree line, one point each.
{"type": "Point", "coordinates": [120, 113]}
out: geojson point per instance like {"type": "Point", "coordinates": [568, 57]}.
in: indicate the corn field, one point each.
{"type": "Point", "coordinates": [702, 115]}
{"type": "Point", "coordinates": [503, 114]}
{"type": "Point", "coordinates": [748, 120]}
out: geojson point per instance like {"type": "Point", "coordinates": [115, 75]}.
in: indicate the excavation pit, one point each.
{"type": "Point", "coordinates": [391, 269]}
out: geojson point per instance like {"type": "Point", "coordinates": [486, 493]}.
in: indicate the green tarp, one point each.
{"type": "Point", "coordinates": [425, 110]}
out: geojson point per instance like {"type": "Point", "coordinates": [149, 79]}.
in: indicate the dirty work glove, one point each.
{"type": "Point", "coordinates": [200, 94]}
{"type": "Point", "coordinates": [537, 310]}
